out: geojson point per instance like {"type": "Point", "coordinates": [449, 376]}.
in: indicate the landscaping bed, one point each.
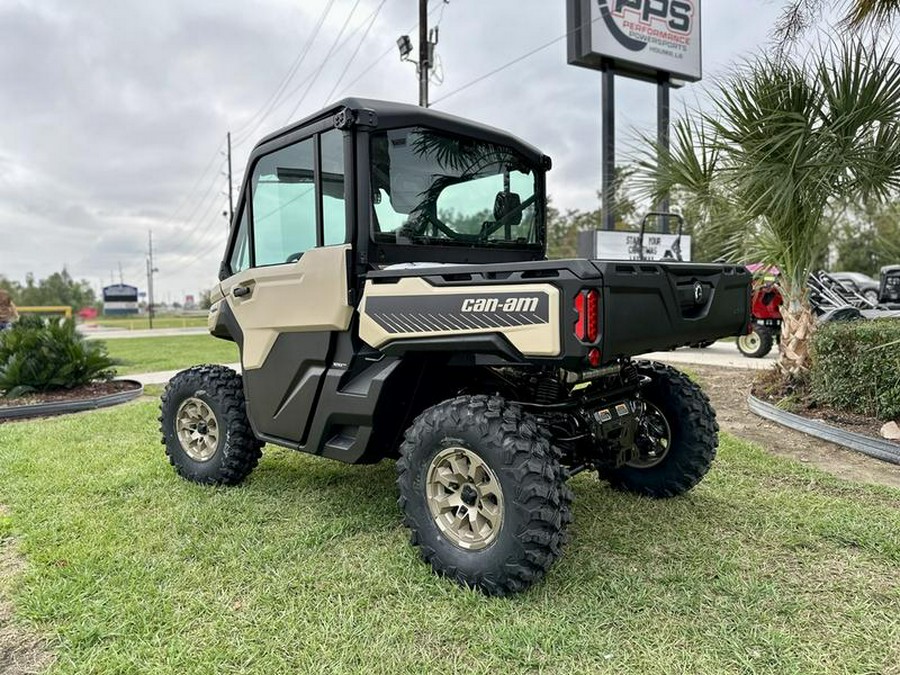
{"type": "Point", "coordinates": [61, 401]}
{"type": "Point", "coordinates": [729, 396]}
{"type": "Point", "coordinates": [87, 391]}
{"type": "Point", "coordinates": [800, 400]}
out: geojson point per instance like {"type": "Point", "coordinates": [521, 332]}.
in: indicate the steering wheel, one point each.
{"type": "Point", "coordinates": [488, 231]}
{"type": "Point", "coordinates": [427, 220]}
{"type": "Point", "coordinates": [294, 257]}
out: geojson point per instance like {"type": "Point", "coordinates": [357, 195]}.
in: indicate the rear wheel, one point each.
{"type": "Point", "coordinates": [204, 426]}
{"type": "Point", "coordinates": [483, 494]}
{"type": "Point", "coordinates": [758, 343]}
{"type": "Point", "coordinates": [677, 439]}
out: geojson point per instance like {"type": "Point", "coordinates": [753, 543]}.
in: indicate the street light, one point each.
{"type": "Point", "coordinates": [404, 44]}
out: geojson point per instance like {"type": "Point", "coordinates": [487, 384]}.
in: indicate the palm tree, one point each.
{"type": "Point", "coordinates": [799, 15]}
{"type": "Point", "coordinates": [786, 140]}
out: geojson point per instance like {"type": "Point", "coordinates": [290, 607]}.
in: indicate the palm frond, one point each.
{"type": "Point", "coordinates": [787, 140]}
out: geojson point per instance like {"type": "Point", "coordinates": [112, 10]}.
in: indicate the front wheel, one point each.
{"type": "Point", "coordinates": [677, 439]}
{"type": "Point", "coordinates": [204, 426]}
{"type": "Point", "coordinates": [483, 494]}
{"type": "Point", "coordinates": [758, 343]}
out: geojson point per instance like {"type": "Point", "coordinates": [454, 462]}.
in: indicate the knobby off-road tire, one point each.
{"type": "Point", "coordinates": [204, 425]}
{"type": "Point", "coordinates": [690, 423]}
{"type": "Point", "coordinates": [516, 473]}
{"type": "Point", "coordinates": [758, 343]}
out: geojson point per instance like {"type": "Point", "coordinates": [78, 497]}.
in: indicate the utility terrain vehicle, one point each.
{"type": "Point", "coordinates": [386, 282]}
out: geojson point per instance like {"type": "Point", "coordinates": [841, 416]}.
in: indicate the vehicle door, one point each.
{"type": "Point", "coordinates": [288, 290]}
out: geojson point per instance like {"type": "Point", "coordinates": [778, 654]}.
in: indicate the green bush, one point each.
{"type": "Point", "coordinates": [856, 366]}
{"type": "Point", "coordinates": [42, 355]}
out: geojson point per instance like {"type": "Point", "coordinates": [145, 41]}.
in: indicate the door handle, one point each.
{"type": "Point", "coordinates": [240, 291]}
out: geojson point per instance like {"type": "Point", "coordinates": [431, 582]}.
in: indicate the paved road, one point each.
{"type": "Point", "coordinates": [163, 376]}
{"type": "Point", "coordinates": [722, 354]}
{"type": "Point", "coordinates": [115, 333]}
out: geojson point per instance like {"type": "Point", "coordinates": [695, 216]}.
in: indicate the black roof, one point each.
{"type": "Point", "coordinates": [390, 114]}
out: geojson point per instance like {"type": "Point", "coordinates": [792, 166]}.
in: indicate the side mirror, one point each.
{"type": "Point", "coordinates": [507, 208]}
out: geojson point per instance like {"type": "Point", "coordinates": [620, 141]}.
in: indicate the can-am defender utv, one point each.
{"type": "Point", "coordinates": [386, 283]}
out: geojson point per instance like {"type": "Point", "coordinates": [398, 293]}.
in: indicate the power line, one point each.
{"type": "Point", "coordinates": [383, 55]}
{"type": "Point", "coordinates": [355, 52]}
{"type": "Point", "coordinates": [366, 71]}
{"type": "Point", "coordinates": [507, 65]}
{"type": "Point", "coordinates": [193, 191]}
{"type": "Point", "coordinates": [207, 226]}
{"type": "Point", "coordinates": [300, 84]}
{"type": "Point", "coordinates": [218, 244]}
{"type": "Point", "coordinates": [206, 195]}
{"type": "Point", "coordinates": [324, 61]}
{"type": "Point", "coordinates": [295, 66]}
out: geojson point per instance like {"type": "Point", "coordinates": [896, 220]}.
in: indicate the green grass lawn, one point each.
{"type": "Point", "coordinates": [767, 566]}
{"type": "Point", "coordinates": [143, 323]}
{"type": "Point", "coordinates": [174, 352]}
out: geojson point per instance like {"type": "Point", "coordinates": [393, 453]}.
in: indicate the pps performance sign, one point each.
{"type": "Point", "coordinates": [641, 38]}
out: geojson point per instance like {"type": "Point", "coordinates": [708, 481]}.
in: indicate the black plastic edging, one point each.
{"type": "Point", "coordinates": [60, 407]}
{"type": "Point", "coordinates": [873, 447]}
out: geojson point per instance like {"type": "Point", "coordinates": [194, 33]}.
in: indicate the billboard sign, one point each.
{"type": "Point", "coordinates": [614, 245]}
{"type": "Point", "coordinates": [120, 299]}
{"type": "Point", "coordinates": [638, 38]}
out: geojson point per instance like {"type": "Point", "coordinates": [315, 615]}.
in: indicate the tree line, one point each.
{"type": "Point", "coordinates": [57, 289]}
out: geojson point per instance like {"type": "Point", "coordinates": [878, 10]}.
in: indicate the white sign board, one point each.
{"type": "Point", "coordinates": [625, 246]}
{"type": "Point", "coordinates": [640, 38]}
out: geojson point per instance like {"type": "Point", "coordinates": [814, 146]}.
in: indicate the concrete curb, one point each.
{"type": "Point", "coordinates": [873, 447]}
{"type": "Point", "coordinates": [61, 407]}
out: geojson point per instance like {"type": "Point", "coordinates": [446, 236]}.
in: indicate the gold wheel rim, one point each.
{"type": "Point", "coordinates": [197, 429]}
{"type": "Point", "coordinates": [464, 498]}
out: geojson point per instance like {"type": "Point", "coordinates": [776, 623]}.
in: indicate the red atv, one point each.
{"type": "Point", "coordinates": [765, 318]}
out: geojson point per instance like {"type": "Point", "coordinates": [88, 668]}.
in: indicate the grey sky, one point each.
{"type": "Point", "coordinates": [113, 109]}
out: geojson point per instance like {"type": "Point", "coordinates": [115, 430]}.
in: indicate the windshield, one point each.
{"type": "Point", "coordinates": [431, 187]}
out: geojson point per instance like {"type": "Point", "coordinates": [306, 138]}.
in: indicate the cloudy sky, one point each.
{"type": "Point", "coordinates": [114, 112]}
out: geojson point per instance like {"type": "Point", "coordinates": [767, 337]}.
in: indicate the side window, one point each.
{"type": "Point", "coordinates": [333, 213]}
{"type": "Point", "coordinates": [284, 204]}
{"type": "Point", "coordinates": [240, 254]}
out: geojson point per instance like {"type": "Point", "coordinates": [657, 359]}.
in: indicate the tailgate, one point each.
{"type": "Point", "coordinates": [652, 306]}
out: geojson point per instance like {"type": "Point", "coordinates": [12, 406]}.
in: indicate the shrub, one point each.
{"type": "Point", "coordinates": [856, 366]}
{"type": "Point", "coordinates": [42, 355]}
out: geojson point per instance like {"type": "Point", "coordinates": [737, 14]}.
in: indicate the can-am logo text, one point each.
{"type": "Point", "coordinates": [495, 305]}
{"type": "Point", "coordinates": [631, 20]}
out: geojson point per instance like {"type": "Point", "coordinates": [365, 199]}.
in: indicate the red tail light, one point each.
{"type": "Point", "coordinates": [587, 305]}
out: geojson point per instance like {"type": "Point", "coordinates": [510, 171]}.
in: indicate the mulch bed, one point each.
{"type": "Point", "coordinates": [88, 391]}
{"type": "Point", "coordinates": [797, 399]}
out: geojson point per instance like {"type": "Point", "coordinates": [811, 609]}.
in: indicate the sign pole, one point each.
{"type": "Point", "coordinates": [662, 139]}
{"type": "Point", "coordinates": [608, 145]}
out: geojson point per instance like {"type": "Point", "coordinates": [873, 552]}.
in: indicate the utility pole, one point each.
{"type": "Point", "coordinates": [424, 53]}
{"type": "Point", "coordinates": [151, 270]}
{"type": "Point", "coordinates": [608, 145]}
{"type": "Point", "coordinates": [662, 138]}
{"type": "Point", "coordinates": [121, 277]}
{"type": "Point", "coordinates": [230, 189]}
{"type": "Point", "coordinates": [427, 41]}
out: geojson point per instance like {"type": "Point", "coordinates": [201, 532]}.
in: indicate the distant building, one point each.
{"type": "Point", "coordinates": [120, 299]}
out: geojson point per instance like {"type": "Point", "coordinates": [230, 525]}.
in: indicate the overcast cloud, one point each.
{"type": "Point", "coordinates": [113, 110]}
